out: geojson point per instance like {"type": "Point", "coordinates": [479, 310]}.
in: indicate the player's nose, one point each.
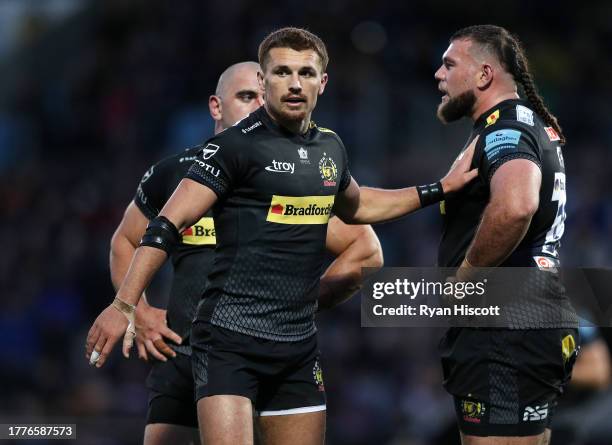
{"type": "Point", "coordinates": [295, 84]}
{"type": "Point", "coordinates": [438, 74]}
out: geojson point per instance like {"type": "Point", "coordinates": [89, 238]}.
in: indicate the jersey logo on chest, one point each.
{"type": "Point", "coordinates": [300, 209]}
{"type": "Point", "coordinates": [328, 171]}
{"type": "Point", "coordinates": [281, 167]}
{"type": "Point", "coordinates": [201, 233]}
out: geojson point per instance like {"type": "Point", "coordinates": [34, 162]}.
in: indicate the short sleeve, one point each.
{"type": "Point", "coordinates": [345, 177]}
{"type": "Point", "coordinates": [152, 190]}
{"type": "Point", "coordinates": [217, 166]}
{"type": "Point", "coordinates": [504, 143]}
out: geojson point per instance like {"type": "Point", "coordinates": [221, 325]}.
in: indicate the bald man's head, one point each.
{"type": "Point", "coordinates": [237, 95]}
{"type": "Point", "coordinates": [233, 73]}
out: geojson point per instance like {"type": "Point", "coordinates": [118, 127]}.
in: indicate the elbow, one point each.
{"type": "Point", "coordinates": [115, 244]}
{"type": "Point", "coordinates": [521, 212]}
{"type": "Point", "coordinates": [374, 258]}
{"type": "Point", "coordinates": [376, 261]}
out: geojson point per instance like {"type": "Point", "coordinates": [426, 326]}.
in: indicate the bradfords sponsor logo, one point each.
{"type": "Point", "coordinates": [251, 128]}
{"type": "Point", "coordinates": [300, 209]}
{"type": "Point", "coordinates": [202, 232]}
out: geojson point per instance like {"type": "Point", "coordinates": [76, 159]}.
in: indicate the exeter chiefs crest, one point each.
{"type": "Point", "coordinates": [328, 170]}
{"type": "Point", "coordinates": [472, 410]}
{"type": "Point", "coordinates": [317, 374]}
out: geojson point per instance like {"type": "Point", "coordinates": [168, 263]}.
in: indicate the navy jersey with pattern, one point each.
{"type": "Point", "coordinates": [193, 257]}
{"type": "Point", "coordinates": [508, 131]}
{"type": "Point", "coordinates": [276, 192]}
{"type": "Point", "coordinates": [512, 130]}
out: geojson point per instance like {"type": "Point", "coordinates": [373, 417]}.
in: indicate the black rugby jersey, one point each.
{"type": "Point", "coordinates": [512, 130]}
{"type": "Point", "coordinates": [275, 194]}
{"type": "Point", "coordinates": [192, 259]}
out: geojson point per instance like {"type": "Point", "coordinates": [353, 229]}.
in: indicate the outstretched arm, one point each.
{"type": "Point", "coordinates": [186, 205]}
{"type": "Point", "coordinates": [355, 247]}
{"type": "Point", "coordinates": [367, 205]}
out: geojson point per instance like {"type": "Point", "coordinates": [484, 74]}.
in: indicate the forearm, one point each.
{"type": "Point", "coordinates": [500, 231]}
{"type": "Point", "coordinates": [380, 205]}
{"type": "Point", "coordinates": [345, 276]}
{"type": "Point", "coordinates": [121, 254]}
{"type": "Point", "coordinates": [145, 263]}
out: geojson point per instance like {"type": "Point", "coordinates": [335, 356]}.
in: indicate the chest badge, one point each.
{"type": "Point", "coordinates": [303, 155]}
{"type": "Point", "coordinates": [328, 170]}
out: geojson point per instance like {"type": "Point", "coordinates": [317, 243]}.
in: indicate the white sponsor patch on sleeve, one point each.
{"type": "Point", "coordinates": [524, 114]}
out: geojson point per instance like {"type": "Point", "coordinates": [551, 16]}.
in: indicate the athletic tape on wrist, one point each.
{"type": "Point", "coordinates": [125, 308]}
{"type": "Point", "coordinates": [430, 194]}
{"type": "Point", "coordinates": [129, 310]}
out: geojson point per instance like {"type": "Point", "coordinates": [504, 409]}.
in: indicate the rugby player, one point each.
{"type": "Point", "coordinates": [172, 415]}
{"type": "Point", "coordinates": [505, 382]}
{"type": "Point", "coordinates": [272, 181]}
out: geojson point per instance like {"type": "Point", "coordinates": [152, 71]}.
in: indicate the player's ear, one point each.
{"type": "Point", "coordinates": [485, 76]}
{"type": "Point", "coordinates": [214, 106]}
{"type": "Point", "coordinates": [324, 79]}
{"type": "Point", "coordinates": [260, 80]}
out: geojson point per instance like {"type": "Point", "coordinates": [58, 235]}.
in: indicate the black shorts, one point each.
{"type": "Point", "coordinates": [506, 382]}
{"type": "Point", "coordinates": [171, 397]}
{"type": "Point", "coordinates": [278, 377]}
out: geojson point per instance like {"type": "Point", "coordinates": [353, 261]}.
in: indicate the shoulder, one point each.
{"type": "Point", "coordinates": [328, 136]}
{"type": "Point", "coordinates": [232, 139]}
{"type": "Point", "coordinates": [512, 125]}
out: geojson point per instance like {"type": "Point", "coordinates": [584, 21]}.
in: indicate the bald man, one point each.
{"type": "Point", "coordinates": [164, 335]}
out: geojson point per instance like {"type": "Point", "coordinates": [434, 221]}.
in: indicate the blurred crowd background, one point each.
{"type": "Point", "coordinates": [93, 92]}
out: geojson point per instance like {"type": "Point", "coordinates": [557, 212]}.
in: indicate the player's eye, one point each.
{"type": "Point", "coordinates": [282, 71]}
{"type": "Point", "coordinates": [247, 97]}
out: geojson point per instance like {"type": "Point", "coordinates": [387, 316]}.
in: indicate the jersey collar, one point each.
{"type": "Point", "coordinates": [263, 115]}
{"type": "Point", "coordinates": [501, 106]}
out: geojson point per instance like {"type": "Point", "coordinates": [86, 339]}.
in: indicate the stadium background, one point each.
{"type": "Point", "coordinates": [91, 93]}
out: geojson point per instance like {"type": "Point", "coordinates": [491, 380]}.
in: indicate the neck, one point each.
{"type": "Point", "coordinates": [491, 101]}
{"type": "Point", "coordinates": [218, 127]}
{"type": "Point", "coordinates": [294, 126]}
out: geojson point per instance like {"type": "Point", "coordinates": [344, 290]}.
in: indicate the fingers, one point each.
{"type": "Point", "coordinates": [152, 349]}
{"type": "Point", "coordinates": [163, 347]}
{"type": "Point", "coordinates": [142, 350]}
{"type": "Point", "coordinates": [471, 174]}
{"type": "Point", "coordinates": [171, 335]}
{"type": "Point", "coordinates": [105, 346]}
{"type": "Point", "coordinates": [467, 155]}
{"type": "Point", "coordinates": [128, 340]}
{"type": "Point", "coordinates": [92, 339]}
{"type": "Point", "coordinates": [473, 143]}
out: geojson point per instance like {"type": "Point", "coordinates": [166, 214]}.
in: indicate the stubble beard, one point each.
{"type": "Point", "coordinates": [457, 107]}
{"type": "Point", "coordinates": [290, 120]}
